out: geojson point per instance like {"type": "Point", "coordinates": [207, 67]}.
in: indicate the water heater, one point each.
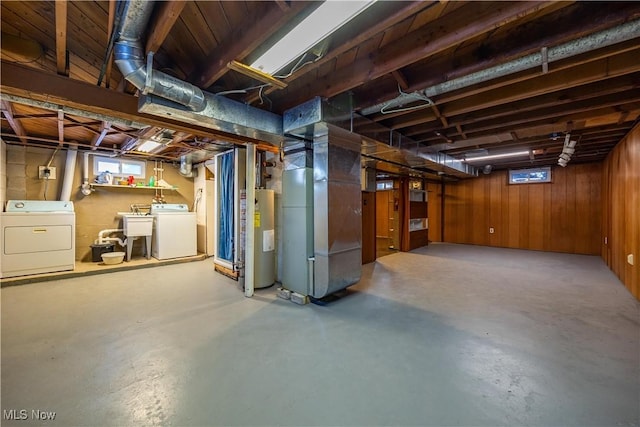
{"type": "Point", "coordinates": [264, 246]}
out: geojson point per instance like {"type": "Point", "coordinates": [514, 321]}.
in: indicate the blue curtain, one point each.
{"type": "Point", "coordinates": [225, 224]}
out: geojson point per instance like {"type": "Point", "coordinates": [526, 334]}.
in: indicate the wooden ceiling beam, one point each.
{"type": "Point", "coordinates": [501, 92]}
{"type": "Point", "coordinates": [418, 45]}
{"type": "Point", "coordinates": [61, 37]}
{"type": "Point", "coordinates": [110, 21]}
{"type": "Point", "coordinates": [7, 111]}
{"type": "Point", "coordinates": [519, 42]}
{"type": "Point", "coordinates": [410, 9]}
{"type": "Point", "coordinates": [60, 127]}
{"type": "Point", "coordinates": [167, 15]}
{"type": "Point", "coordinates": [30, 83]}
{"type": "Point", "coordinates": [242, 41]}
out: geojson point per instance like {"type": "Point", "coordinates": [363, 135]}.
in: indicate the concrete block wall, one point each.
{"type": "Point", "coordinates": [96, 211]}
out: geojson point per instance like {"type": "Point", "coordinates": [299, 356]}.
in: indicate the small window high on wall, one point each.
{"type": "Point", "coordinates": [529, 176]}
{"type": "Point", "coordinates": [119, 167]}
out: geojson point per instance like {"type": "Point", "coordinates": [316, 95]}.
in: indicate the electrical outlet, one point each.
{"type": "Point", "coordinates": [42, 172]}
{"type": "Point", "coordinates": [491, 230]}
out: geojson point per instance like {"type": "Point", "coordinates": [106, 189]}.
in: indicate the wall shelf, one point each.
{"type": "Point", "coordinates": [128, 187]}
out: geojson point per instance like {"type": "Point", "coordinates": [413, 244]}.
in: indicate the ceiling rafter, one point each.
{"type": "Point", "coordinates": [110, 22]}
{"type": "Point", "coordinates": [61, 37]}
{"type": "Point", "coordinates": [7, 111]}
{"type": "Point", "coordinates": [23, 81]}
{"type": "Point", "coordinates": [165, 18]}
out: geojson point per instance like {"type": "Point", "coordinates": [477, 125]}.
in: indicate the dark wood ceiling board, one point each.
{"type": "Point", "coordinates": [236, 12]}
{"type": "Point", "coordinates": [215, 18]}
{"type": "Point", "coordinates": [180, 57]}
{"type": "Point", "coordinates": [190, 48]}
{"type": "Point", "coordinates": [164, 18]}
{"type": "Point", "coordinates": [81, 70]}
{"type": "Point", "coordinates": [368, 47]}
{"type": "Point", "coordinates": [192, 29]}
{"type": "Point", "coordinates": [397, 31]}
{"type": "Point", "coordinates": [90, 23]}
{"type": "Point", "coordinates": [30, 24]}
{"type": "Point", "coordinates": [346, 58]}
{"type": "Point", "coordinates": [438, 10]}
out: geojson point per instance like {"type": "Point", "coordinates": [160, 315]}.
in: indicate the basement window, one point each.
{"type": "Point", "coordinates": [384, 185]}
{"type": "Point", "coordinates": [119, 167]}
{"type": "Point", "coordinates": [529, 176]}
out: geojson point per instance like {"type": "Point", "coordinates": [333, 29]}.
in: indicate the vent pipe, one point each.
{"type": "Point", "coordinates": [129, 56]}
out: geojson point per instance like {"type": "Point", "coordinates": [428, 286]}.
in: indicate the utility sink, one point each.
{"type": "Point", "coordinates": [134, 224]}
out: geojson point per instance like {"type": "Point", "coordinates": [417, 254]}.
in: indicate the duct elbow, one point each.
{"type": "Point", "coordinates": [129, 58]}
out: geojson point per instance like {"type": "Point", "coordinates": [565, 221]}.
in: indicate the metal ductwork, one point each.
{"type": "Point", "coordinates": [167, 96]}
{"type": "Point", "coordinates": [129, 55]}
{"type": "Point", "coordinates": [598, 40]}
{"type": "Point", "coordinates": [321, 200]}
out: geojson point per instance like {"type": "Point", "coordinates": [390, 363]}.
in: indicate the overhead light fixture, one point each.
{"type": "Point", "coordinates": [148, 146]}
{"type": "Point", "coordinates": [497, 156]}
{"type": "Point", "coordinates": [322, 22]}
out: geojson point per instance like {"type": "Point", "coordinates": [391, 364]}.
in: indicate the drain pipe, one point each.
{"type": "Point", "coordinates": [86, 188]}
{"type": "Point", "coordinates": [102, 239]}
{"type": "Point", "coordinates": [69, 171]}
{"type": "Point", "coordinates": [129, 55]}
{"type": "Point", "coordinates": [249, 252]}
{"type": "Point", "coordinates": [598, 40]}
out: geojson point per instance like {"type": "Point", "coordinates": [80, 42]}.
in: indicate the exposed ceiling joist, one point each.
{"type": "Point", "coordinates": [110, 21]}
{"type": "Point", "coordinates": [61, 37]}
{"type": "Point", "coordinates": [113, 106]}
{"type": "Point", "coordinates": [167, 15]}
{"type": "Point", "coordinates": [7, 111]}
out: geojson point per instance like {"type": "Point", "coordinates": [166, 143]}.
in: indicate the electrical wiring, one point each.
{"type": "Point", "coordinates": [416, 95]}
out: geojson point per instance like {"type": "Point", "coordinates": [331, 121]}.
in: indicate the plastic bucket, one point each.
{"type": "Point", "coordinates": [98, 249]}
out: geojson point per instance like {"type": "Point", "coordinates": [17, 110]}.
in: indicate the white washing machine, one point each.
{"type": "Point", "coordinates": [38, 236]}
{"type": "Point", "coordinates": [174, 231]}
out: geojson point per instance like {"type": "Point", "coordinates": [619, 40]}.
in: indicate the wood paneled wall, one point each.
{"type": "Point", "coordinates": [562, 216]}
{"type": "Point", "coordinates": [621, 211]}
{"type": "Point", "coordinates": [434, 207]}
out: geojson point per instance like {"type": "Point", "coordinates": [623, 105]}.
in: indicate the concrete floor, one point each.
{"type": "Point", "coordinates": [445, 335]}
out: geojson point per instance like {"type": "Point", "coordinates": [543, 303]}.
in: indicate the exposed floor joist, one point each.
{"type": "Point", "coordinates": [7, 111]}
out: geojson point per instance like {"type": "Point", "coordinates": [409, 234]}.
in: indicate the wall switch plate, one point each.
{"type": "Point", "coordinates": [41, 172]}
{"type": "Point", "coordinates": [491, 230]}
{"type": "Point", "coordinates": [630, 259]}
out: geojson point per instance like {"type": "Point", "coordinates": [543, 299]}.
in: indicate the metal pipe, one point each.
{"type": "Point", "coordinates": [598, 40]}
{"type": "Point", "coordinates": [69, 172]}
{"type": "Point", "coordinates": [249, 253]}
{"type": "Point", "coordinates": [129, 55]}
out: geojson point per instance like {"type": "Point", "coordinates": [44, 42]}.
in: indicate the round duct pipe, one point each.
{"type": "Point", "coordinates": [186, 165]}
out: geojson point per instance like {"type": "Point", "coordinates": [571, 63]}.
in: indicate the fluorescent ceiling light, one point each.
{"type": "Point", "coordinates": [497, 156]}
{"type": "Point", "coordinates": [148, 146]}
{"type": "Point", "coordinates": [323, 21]}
